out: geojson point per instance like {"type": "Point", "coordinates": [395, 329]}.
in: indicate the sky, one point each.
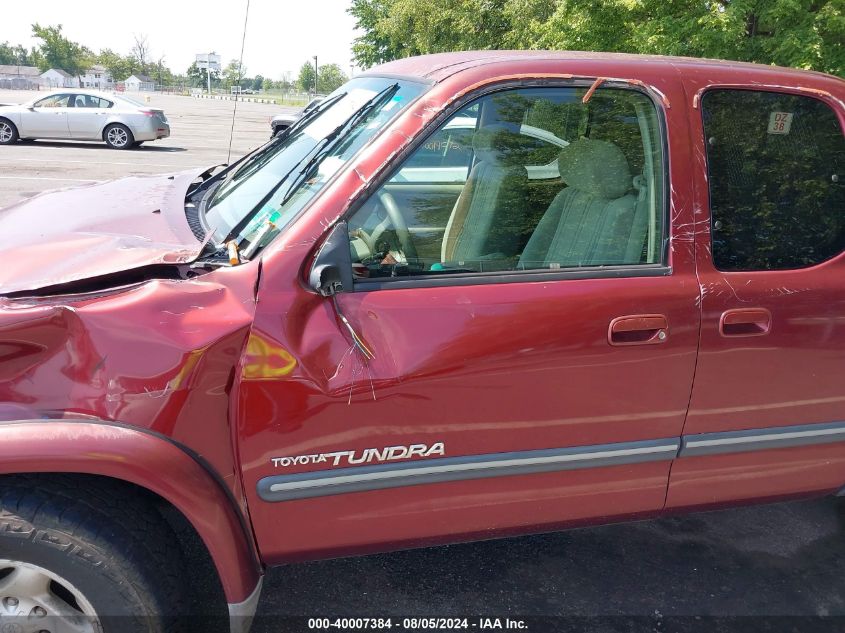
{"type": "Point", "coordinates": [281, 34]}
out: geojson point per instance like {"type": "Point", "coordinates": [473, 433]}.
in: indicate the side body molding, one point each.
{"type": "Point", "coordinates": [147, 460]}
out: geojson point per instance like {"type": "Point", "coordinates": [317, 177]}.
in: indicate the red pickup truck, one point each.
{"type": "Point", "coordinates": [469, 295]}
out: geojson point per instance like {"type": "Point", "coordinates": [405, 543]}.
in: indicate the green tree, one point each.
{"type": "Point", "coordinates": [198, 77]}
{"type": "Point", "coordinates": [331, 77]}
{"type": "Point", "coordinates": [377, 44]}
{"type": "Point", "coordinates": [257, 83]}
{"type": "Point", "coordinates": [59, 52]}
{"type": "Point", "coordinates": [119, 66]}
{"type": "Point", "coordinates": [17, 55]}
{"type": "Point", "coordinates": [268, 84]}
{"type": "Point", "coordinates": [306, 78]}
{"type": "Point", "coordinates": [233, 73]}
{"type": "Point", "coordinates": [162, 74]}
{"type": "Point", "coordinates": [801, 33]}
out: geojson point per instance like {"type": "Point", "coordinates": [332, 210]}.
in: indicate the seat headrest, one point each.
{"type": "Point", "coordinates": [598, 168]}
{"type": "Point", "coordinates": [484, 144]}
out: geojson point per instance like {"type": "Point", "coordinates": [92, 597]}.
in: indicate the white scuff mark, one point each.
{"type": "Point", "coordinates": [734, 291]}
{"type": "Point", "coordinates": [364, 365]}
{"type": "Point", "coordinates": [784, 291]}
{"type": "Point", "coordinates": [351, 383]}
{"type": "Point", "coordinates": [340, 364]}
{"type": "Point", "coordinates": [158, 394]}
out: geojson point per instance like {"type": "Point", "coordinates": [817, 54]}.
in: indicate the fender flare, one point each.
{"type": "Point", "coordinates": [148, 460]}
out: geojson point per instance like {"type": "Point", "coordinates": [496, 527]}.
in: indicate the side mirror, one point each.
{"type": "Point", "coordinates": [331, 271]}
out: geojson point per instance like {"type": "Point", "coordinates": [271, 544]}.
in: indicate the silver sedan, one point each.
{"type": "Point", "coordinates": [84, 115]}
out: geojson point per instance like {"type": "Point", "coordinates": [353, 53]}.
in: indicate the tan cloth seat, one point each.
{"type": "Point", "coordinates": [596, 219]}
{"type": "Point", "coordinates": [493, 192]}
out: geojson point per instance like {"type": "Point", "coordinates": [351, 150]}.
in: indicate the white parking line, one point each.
{"type": "Point", "coordinates": [44, 178]}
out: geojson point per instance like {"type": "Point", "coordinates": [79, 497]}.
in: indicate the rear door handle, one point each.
{"type": "Point", "coordinates": [638, 329]}
{"type": "Point", "coordinates": [745, 322]}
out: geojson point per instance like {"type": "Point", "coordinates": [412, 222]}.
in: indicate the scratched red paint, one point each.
{"type": "Point", "coordinates": [244, 364]}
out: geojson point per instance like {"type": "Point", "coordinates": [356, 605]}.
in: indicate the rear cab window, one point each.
{"type": "Point", "coordinates": [776, 174]}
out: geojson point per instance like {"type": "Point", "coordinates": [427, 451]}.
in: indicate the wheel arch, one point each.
{"type": "Point", "coordinates": [14, 123]}
{"type": "Point", "coordinates": [115, 121]}
{"type": "Point", "coordinates": [152, 462]}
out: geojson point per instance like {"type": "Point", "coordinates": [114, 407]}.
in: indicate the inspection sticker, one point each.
{"type": "Point", "coordinates": [780, 122]}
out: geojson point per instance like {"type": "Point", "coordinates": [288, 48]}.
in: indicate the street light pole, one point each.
{"type": "Point", "coordinates": [316, 75]}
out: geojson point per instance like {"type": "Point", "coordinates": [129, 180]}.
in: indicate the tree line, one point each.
{"type": "Point", "coordinates": [806, 34]}
{"type": "Point", "coordinates": [55, 50]}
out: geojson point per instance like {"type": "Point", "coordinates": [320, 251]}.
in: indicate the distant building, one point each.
{"type": "Point", "coordinates": [58, 78]}
{"type": "Point", "coordinates": [97, 77]}
{"type": "Point", "coordinates": [15, 77]}
{"type": "Point", "coordinates": [142, 83]}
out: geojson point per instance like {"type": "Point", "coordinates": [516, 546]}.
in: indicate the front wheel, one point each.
{"type": "Point", "coordinates": [118, 136]}
{"type": "Point", "coordinates": [8, 132]}
{"type": "Point", "coordinates": [84, 558]}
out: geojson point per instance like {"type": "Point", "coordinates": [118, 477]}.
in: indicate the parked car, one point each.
{"type": "Point", "coordinates": [280, 122]}
{"type": "Point", "coordinates": [472, 295]}
{"type": "Point", "coordinates": [84, 115]}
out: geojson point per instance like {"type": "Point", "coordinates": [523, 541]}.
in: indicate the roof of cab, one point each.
{"type": "Point", "coordinates": [439, 66]}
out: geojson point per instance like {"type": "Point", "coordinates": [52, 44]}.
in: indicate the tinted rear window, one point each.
{"type": "Point", "coordinates": [776, 167]}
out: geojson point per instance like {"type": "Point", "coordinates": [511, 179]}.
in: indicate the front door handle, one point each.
{"type": "Point", "coordinates": [745, 322]}
{"type": "Point", "coordinates": [638, 329]}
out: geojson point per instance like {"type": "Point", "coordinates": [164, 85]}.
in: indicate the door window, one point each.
{"type": "Point", "coordinates": [776, 166]}
{"type": "Point", "coordinates": [90, 101]}
{"type": "Point", "coordinates": [54, 101]}
{"type": "Point", "coordinates": [522, 180]}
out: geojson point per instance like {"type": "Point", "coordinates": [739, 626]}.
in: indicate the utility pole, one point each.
{"type": "Point", "coordinates": [316, 75]}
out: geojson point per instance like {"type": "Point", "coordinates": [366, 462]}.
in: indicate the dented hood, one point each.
{"type": "Point", "coordinates": [74, 234]}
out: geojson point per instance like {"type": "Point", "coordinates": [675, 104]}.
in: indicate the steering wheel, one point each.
{"type": "Point", "coordinates": [398, 220]}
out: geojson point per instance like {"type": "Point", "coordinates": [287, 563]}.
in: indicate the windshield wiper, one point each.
{"type": "Point", "coordinates": [315, 156]}
{"type": "Point", "coordinates": [229, 171]}
{"type": "Point", "coordinates": [327, 145]}
{"type": "Point", "coordinates": [310, 115]}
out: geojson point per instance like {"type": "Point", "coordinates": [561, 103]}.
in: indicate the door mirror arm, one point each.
{"type": "Point", "coordinates": [331, 271]}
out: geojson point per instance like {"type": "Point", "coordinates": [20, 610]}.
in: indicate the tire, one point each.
{"type": "Point", "coordinates": [82, 549]}
{"type": "Point", "coordinates": [279, 130]}
{"type": "Point", "coordinates": [8, 132]}
{"type": "Point", "coordinates": [118, 136]}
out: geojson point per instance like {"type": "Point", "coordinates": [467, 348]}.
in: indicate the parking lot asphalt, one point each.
{"type": "Point", "coordinates": [199, 137]}
{"type": "Point", "coordinates": [776, 567]}
{"type": "Point", "coordinates": [765, 568]}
